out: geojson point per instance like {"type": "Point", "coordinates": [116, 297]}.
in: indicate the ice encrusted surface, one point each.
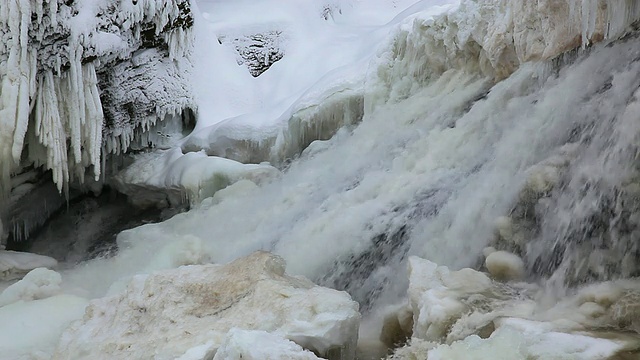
{"type": "Point", "coordinates": [57, 68]}
{"type": "Point", "coordinates": [163, 315]}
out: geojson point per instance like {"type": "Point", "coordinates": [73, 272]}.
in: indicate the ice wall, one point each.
{"type": "Point", "coordinates": [56, 61]}
{"type": "Point", "coordinates": [494, 38]}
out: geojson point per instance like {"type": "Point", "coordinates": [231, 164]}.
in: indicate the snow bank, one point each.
{"type": "Point", "coordinates": [14, 264]}
{"type": "Point", "coordinates": [30, 330]}
{"type": "Point", "coordinates": [166, 314]}
{"type": "Point", "coordinates": [266, 119]}
{"type": "Point", "coordinates": [196, 175]}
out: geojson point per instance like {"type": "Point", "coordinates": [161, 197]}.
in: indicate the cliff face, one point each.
{"type": "Point", "coordinates": [82, 79]}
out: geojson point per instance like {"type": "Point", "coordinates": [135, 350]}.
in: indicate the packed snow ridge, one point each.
{"type": "Point", "coordinates": [60, 86]}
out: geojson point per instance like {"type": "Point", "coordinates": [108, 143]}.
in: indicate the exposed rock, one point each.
{"type": "Point", "coordinates": [258, 51]}
{"type": "Point", "coordinates": [163, 315]}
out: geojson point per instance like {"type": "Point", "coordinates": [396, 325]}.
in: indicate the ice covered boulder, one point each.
{"type": "Point", "coordinates": [39, 283]}
{"type": "Point", "coordinates": [435, 295]}
{"type": "Point", "coordinates": [503, 265]}
{"type": "Point", "coordinates": [14, 264]}
{"type": "Point", "coordinates": [174, 176]}
{"type": "Point", "coordinates": [165, 314]}
{"type": "Point", "coordinates": [452, 305]}
{"type": "Point", "coordinates": [260, 345]}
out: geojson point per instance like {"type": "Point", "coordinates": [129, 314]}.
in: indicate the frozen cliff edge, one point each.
{"type": "Point", "coordinates": [71, 73]}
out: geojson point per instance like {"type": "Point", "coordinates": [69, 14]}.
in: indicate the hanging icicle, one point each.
{"type": "Point", "coordinates": [52, 86]}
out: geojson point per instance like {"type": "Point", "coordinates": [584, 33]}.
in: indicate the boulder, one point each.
{"type": "Point", "coordinates": [165, 314]}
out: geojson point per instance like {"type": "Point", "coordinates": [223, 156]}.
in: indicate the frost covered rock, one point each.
{"type": "Point", "coordinates": [163, 315]}
{"type": "Point", "coordinates": [504, 265]}
{"type": "Point", "coordinates": [39, 283]}
{"type": "Point", "coordinates": [65, 60]}
{"type": "Point", "coordinates": [260, 345]}
{"type": "Point", "coordinates": [14, 264]}
{"type": "Point", "coordinates": [258, 51]}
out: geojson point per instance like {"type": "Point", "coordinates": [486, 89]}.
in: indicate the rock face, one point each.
{"type": "Point", "coordinates": [258, 51]}
{"type": "Point", "coordinates": [167, 314]}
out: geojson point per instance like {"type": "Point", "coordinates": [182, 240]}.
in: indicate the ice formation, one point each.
{"type": "Point", "coordinates": [260, 345]}
{"type": "Point", "coordinates": [489, 37]}
{"type": "Point", "coordinates": [53, 54]}
{"type": "Point", "coordinates": [39, 283]}
{"type": "Point", "coordinates": [194, 305]}
{"type": "Point", "coordinates": [14, 264]}
{"type": "Point", "coordinates": [460, 312]}
{"type": "Point", "coordinates": [166, 178]}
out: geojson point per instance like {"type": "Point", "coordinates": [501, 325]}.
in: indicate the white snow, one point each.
{"type": "Point", "coordinates": [526, 342]}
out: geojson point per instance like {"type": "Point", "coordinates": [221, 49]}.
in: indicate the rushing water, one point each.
{"type": "Point", "coordinates": [427, 175]}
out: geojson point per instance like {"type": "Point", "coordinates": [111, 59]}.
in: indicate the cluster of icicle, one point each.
{"type": "Point", "coordinates": [57, 109]}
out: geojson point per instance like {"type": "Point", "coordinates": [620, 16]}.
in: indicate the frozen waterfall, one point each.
{"type": "Point", "coordinates": [467, 169]}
